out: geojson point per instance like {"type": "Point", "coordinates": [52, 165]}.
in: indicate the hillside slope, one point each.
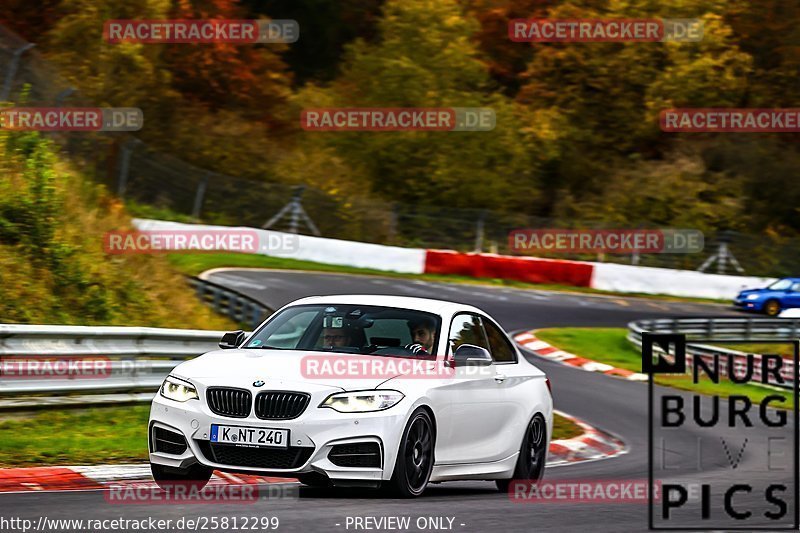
{"type": "Point", "coordinates": [53, 269]}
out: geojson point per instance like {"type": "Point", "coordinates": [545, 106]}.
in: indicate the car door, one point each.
{"type": "Point", "coordinates": [477, 406]}
{"type": "Point", "coordinates": [518, 387]}
{"type": "Point", "coordinates": [792, 297]}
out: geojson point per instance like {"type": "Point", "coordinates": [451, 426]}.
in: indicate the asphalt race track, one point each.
{"type": "Point", "coordinates": [611, 404]}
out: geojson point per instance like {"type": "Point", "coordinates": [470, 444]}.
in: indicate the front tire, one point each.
{"type": "Point", "coordinates": [194, 477]}
{"type": "Point", "coordinates": [532, 455]}
{"type": "Point", "coordinates": [414, 464]}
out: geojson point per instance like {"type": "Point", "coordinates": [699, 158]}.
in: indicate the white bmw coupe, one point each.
{"type": "Point", "coordinates": [357, 391]}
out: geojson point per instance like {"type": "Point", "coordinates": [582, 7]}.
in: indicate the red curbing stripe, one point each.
{"type": "Point", "coordinates": [558, 449]}
{"type": "Point", "coordinates": [65, 478]}
{"type": "Point", "coordinates": [530, 269]}
{"type": "Point", "coordinates": [603, 447]}
{"type": "Point", "coordinates": [43, 478]}
{"type": "Point", "coordinates": [53, 478]}
{"type": "Point", "coordinates": [547, 351]}
{"type": "Point", "coordinates": [619, 372]}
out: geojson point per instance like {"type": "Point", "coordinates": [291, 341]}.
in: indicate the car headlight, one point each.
{"type": "Point", "coordinates": [178, 390]}
{"type": "Point", "coordinates": [752, 297]}
{"type": "Point", "coordinates": [362, 401]}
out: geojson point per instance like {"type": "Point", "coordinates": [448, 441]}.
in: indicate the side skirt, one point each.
{"type": "Point", "coordinates": [503, 469]}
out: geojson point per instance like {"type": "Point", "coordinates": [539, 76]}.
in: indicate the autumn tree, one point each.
{"type": "Point", "coordinates": [236, 94]}
{"type": "Point", "coordinates": [29, 19]}
{"type": "Point", "coordinates": [506, 59]}
{"type": "Point", "coordinates": [426, 58]}
{"type": "Point", "coordinates": [605, 98]}
{"type": "Point", "coordinates": [326, 26]}
{"type": "Point", "coordinates": [249, 78]}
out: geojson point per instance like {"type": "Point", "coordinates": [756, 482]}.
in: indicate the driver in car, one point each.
{"type": "Point", "coordinates": [422, 334]}
{"type": "Point", "coordinates": [336, 337]}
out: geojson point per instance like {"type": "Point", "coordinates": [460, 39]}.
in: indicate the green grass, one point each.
{"type": "Point", "coordinates": [606, 345]}
{"type": "Point", "coordinates": [53, 268]}
{"type": "Point", "coordinates": [75, 436]}
{"type": "Point", "coordinates": [140, 210]}
{"type": "Point", "coordinates": [564, 428]}
{"type": "Point", "coordinates": [194, 264]}
{"type": "Point", "coordinates": [784, 348]}
{"type": "Point", "coordinates": [609, 345]}
{"type": "Point", "coordinates": [102, 435]}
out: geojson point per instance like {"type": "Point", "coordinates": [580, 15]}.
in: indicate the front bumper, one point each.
{"type": "Point", "coordinates": [312, 436]}
{"type": "Point", "coordinates": [748, 305]}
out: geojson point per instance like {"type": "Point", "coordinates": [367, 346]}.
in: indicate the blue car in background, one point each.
{"type": "Point", "coordinates": [782, 294]}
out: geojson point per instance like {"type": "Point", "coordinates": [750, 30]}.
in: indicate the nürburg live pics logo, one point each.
{"type": "Point", "coordinates": [722, 434]}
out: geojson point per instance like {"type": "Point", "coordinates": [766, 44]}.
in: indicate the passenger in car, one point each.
{"type": "Point", "coordinates": [423, 331]}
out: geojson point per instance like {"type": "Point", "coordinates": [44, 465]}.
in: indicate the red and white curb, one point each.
{"type": "Point", "coordinates": [542, 349]}
{"type": "Point", "coordinates": [591, 445]}
{"type": "Point", "coordinates": [99, 477]}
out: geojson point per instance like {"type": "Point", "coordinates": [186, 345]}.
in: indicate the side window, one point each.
{"type": "Point", "coordinates": [467, 329]}
{"type": "Point", "coordinates": [796, 287]}
{"type": "Point", "coordinates": [502, 351]}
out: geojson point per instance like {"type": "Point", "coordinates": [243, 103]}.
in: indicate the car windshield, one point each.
{"type": "Point", "coordinates": [781, 285]}
{"type": "Point", "coordinates": [362, 329]}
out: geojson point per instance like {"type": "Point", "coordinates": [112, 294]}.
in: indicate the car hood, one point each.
{"type": "Point", "coordinates": [277, 368]}
{"type": "Point", "coordinates": [746, 292]}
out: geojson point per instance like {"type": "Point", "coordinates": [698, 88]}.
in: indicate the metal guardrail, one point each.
{"type": "Point", "coordinates": [240, 307]}
{"type": "Point", "coordinates": [723, 328]}
{"type": "Point", "coordinates": [745, 329]}
{"type": "Point", "coordinates": [67, 365]}
{"type": "Point", "coordinates": [115, 362]}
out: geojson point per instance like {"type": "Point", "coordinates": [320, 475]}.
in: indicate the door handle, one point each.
{"type": "Point", "coordinates": [499, 378]}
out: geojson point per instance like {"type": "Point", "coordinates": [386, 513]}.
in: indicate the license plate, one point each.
{"type": "Point", "coordinates": [245, 436]}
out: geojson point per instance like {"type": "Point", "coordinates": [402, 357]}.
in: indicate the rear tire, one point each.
{"type": "Point", "coordinates": [195, 477]}
{"type": "Point", "coordinates": [532, 455]}
{"type": "Point", "coordinates": [772, 307]}
{"type": "Point", "coordinates": [415, 458]}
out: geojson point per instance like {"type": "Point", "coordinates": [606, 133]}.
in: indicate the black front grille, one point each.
{"type": "Point", "coordinates": [168, 441]}
{"type": "Point", "coordinates": [361, 455]}
{"type": "Point", "coordinates": [278, 405]}
{"type": "Point", "coordinates": [274, 458]}
{"type": "Point", "coordinates": [234, 403]}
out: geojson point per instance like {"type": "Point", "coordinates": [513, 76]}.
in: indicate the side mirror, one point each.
{"type": "Point", "coordinates": [471, 355]}
{"type": "Point", "coordinates": [232, 339]}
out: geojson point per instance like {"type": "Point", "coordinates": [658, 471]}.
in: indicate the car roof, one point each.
{"type": "Point", "coordinates": [430, 305]}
